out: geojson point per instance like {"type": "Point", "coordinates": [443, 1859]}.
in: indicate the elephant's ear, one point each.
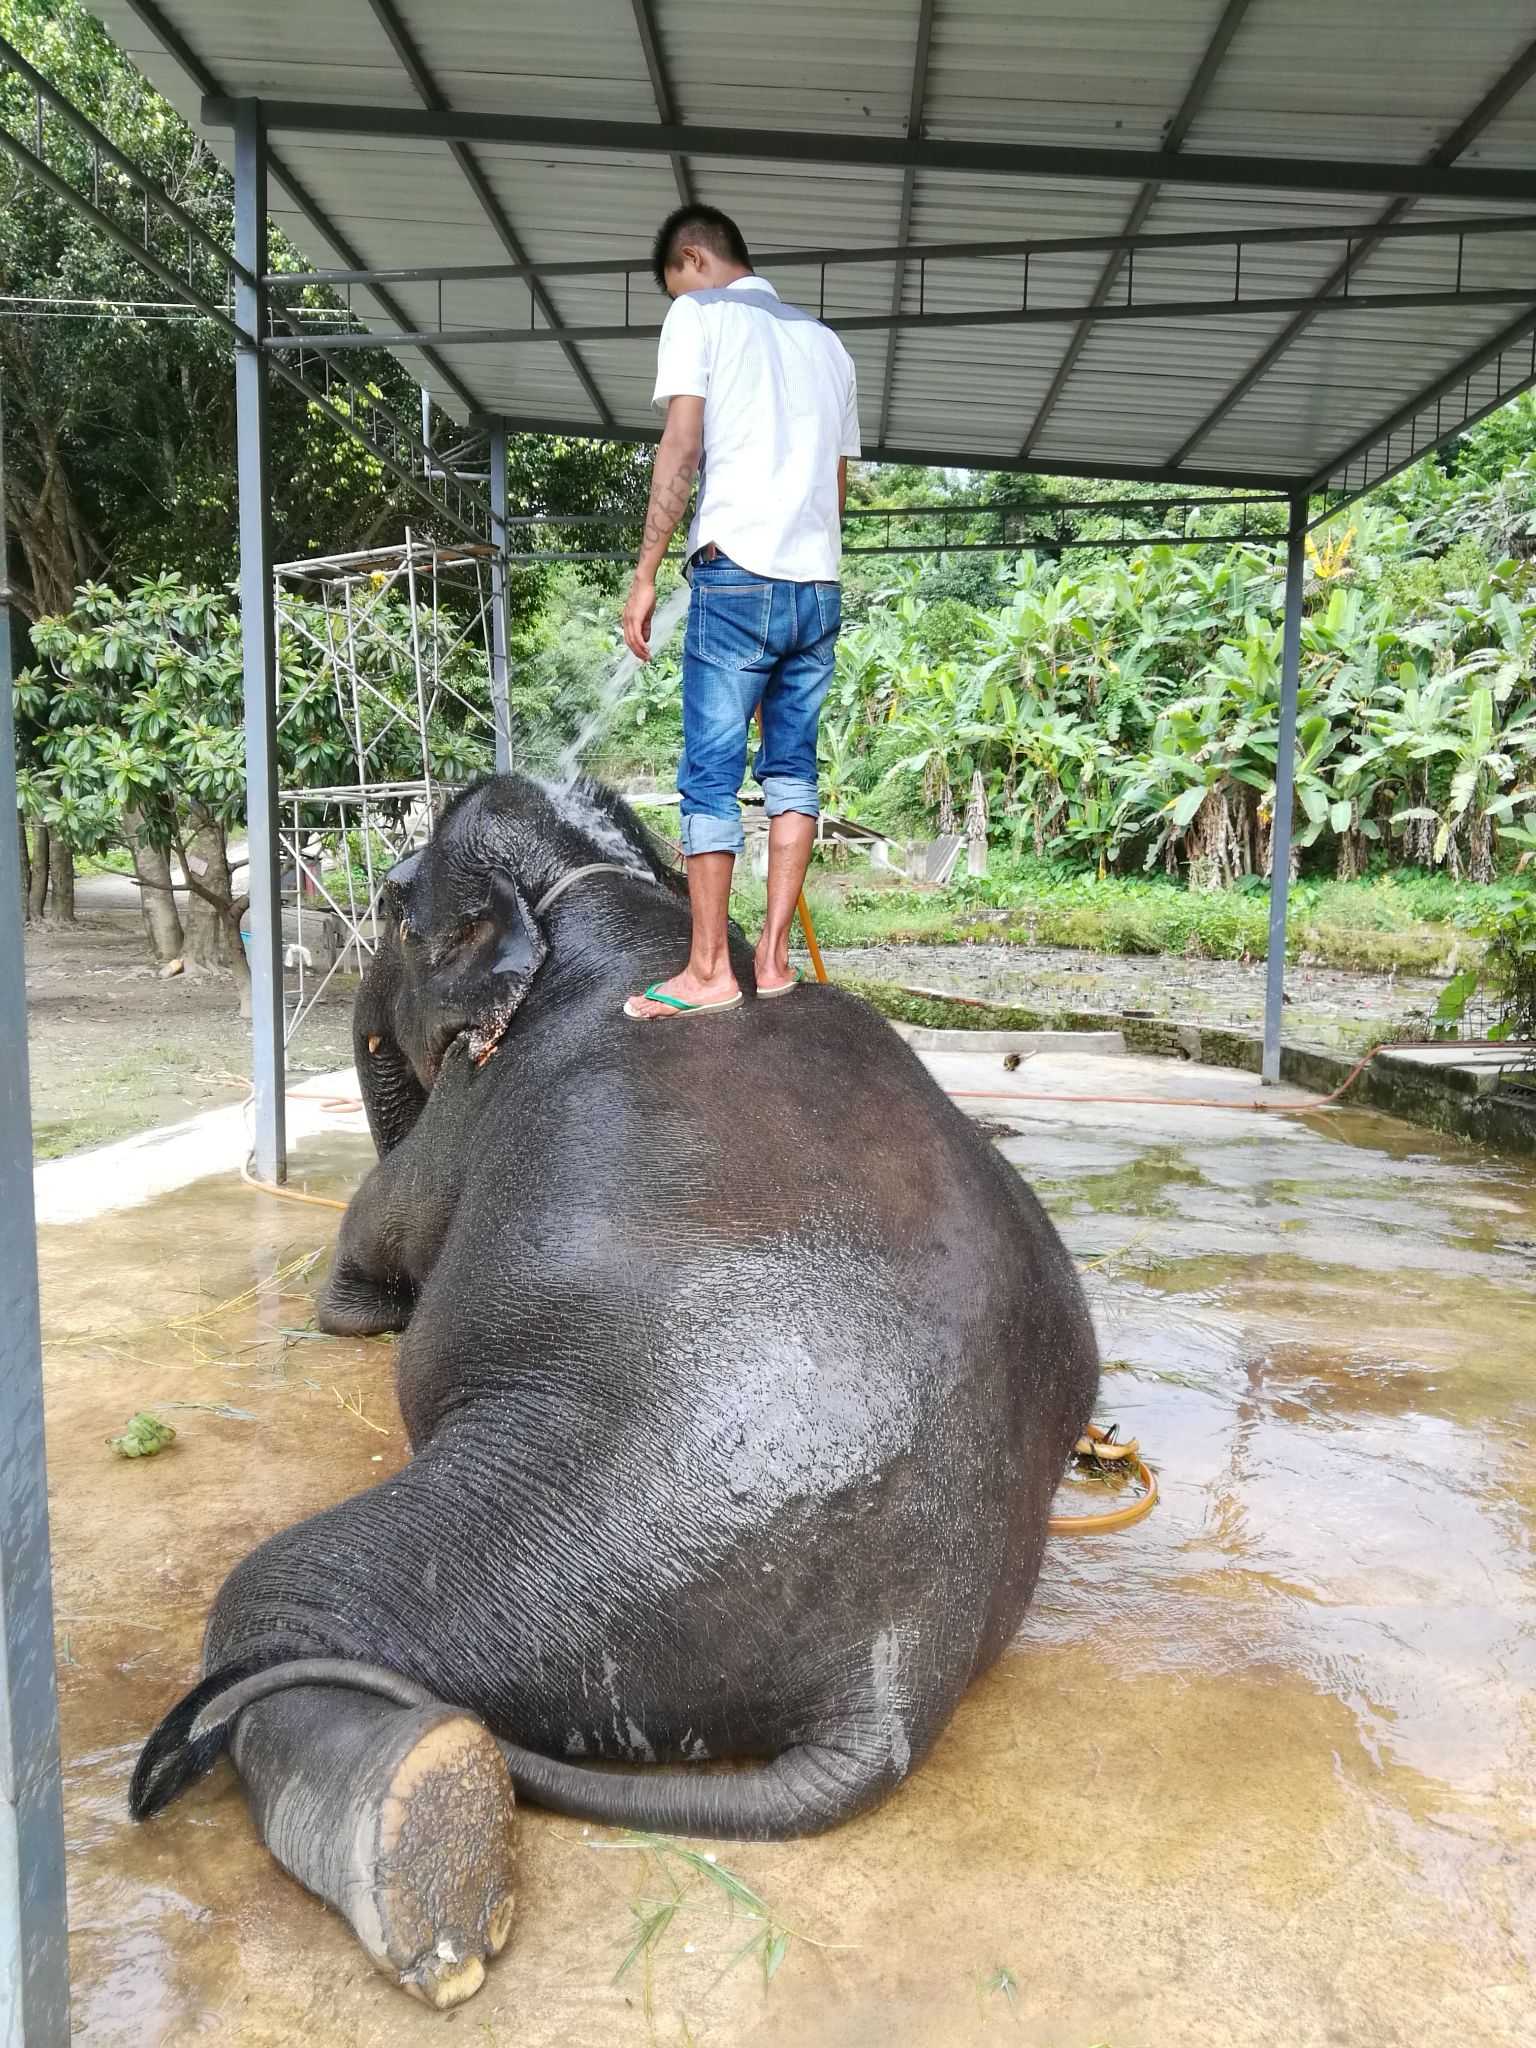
{"type": "Point", "coordinates": [486, 969]}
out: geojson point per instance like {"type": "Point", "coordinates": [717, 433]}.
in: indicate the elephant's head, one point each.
{"type": "Point", "coordinates": [461, 941]}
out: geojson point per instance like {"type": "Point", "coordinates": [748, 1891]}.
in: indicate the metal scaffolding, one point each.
{"type": "Point", "coordinates": [402, 637]}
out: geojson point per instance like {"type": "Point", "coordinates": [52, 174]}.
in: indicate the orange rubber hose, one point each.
{"type": "Point", "coordinates": [1113, 1518]}
{"type": "Point", "coordinates": [803, 911]}
{"type": "Point", "coordinates": [1185, 1101]}
{"type": "Point", "coordinates": [270, 1187]}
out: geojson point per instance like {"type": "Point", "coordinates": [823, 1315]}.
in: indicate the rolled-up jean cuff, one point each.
{"type": "Point", "coordinates": [783, 793]}
{"type": "Point", "coordinates": [702, 832]}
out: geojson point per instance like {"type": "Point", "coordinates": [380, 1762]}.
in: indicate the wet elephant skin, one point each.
{"type": "Point", "coordinates": [739, 1371]}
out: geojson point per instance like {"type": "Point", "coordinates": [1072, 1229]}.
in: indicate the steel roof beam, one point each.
{"type": "Point", "coordinates": [942, 252]}
{"type": "Point", "coordinates": [368, 421]}
{"type": "Point", "coordinates": [894, 153]}
{"type": "Point", "coordinates": [322, 343]}
{"type": "Point", "coordinates": [904, 211]}
{"type": "Point", "coordinates": [1262, 481]}
{"type": "Point", "coordinates": [1441, 158]}
{"type": "Point", "coordinates": [176, 45]}
{"type": "Point", "coordinates": [661, 92]}
{"type": "Point", "coordinates": [430, 94]}
{"type": "Point", "coordinates": [1515, 335]}
{"type": "Point", "coordinates": [1174, 139]}
{"type": "Point", "coordinates": [1022, 508]}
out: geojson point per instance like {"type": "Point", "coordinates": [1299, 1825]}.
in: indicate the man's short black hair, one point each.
{"type": "Point", "coordinates": [703, 224]}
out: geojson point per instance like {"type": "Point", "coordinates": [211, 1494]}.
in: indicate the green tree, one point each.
{"type": "Point", "coordinates": [134, 738]}
{"type": "Point", "coordinates": [120, 407]}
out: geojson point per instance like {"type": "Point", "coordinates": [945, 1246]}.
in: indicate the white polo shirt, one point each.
{"type": "Point", "coordinates": [780, 409]}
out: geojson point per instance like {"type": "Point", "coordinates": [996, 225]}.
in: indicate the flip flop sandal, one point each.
{"type": "Point", "coordinates": [784, 988]}
{"type": "Point", "coordinates": [676, 1004]}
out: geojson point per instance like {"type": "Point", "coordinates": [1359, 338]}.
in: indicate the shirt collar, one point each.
{"type": "Point", "coordinates": [751, 283]}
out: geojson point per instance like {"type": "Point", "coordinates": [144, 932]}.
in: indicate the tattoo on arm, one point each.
{"type": "Point", "coordinates": [671, 488]}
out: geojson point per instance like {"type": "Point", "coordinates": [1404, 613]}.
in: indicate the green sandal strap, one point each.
{"type": "Point", "coordinates": [653, 995]}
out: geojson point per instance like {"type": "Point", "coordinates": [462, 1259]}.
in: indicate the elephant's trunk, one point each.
{"type": "Point", "coordinates": [392, 1091]}
{"type": "Point", "coordinates": [392, 1095]}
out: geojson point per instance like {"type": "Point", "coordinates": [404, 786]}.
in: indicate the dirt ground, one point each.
{"type": "Point", "coordinates": [1324, 1005]}
{"type": "Point", "coordinates": [114, 1049]}
{"type": "Point", "coordinates": [1260, 1771]}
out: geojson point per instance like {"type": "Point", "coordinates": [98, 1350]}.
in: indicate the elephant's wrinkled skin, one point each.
{"type": "Point", "coordinates": [739, 1373]}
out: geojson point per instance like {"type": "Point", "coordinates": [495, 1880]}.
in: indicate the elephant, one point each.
{"type": "Point", "coordinates": [738, 1371]}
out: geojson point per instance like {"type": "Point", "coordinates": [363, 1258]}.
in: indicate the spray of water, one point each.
{"type": "Point", "coordinates": [668, 617]}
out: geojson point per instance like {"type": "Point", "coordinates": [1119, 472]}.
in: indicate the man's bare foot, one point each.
{"type": "Point", "coordinates": [773, 971]}
{"type": "Point", "coordinates": [688, 988]}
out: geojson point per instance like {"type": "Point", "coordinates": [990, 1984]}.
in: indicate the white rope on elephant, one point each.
{"type": "Point", "coordinates": [596, 867]}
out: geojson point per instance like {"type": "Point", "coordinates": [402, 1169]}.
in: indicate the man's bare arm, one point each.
{"type": "Point", "coordinates": [672, 475]}
{"type": "Point", "coordinates": [842, 485]}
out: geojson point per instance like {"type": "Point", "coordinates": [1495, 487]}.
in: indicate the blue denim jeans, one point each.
{"type": "Point", "coordinates": [751, 640]}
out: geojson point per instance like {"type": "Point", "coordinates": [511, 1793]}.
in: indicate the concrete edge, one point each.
{"type": "Point", "coordinates": [137, 1169]}
{"type": "Point", "coordinates": [134, 1170]}
{"type": "Point", "coordinates": [1454, 1101]}
{"type": "Point", "coordinates": [929, 1038]}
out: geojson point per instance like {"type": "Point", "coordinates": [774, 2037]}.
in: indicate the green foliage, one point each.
{"type": "Point", "coordinates": [1510, 962]}
{"type": "Point", "coordinates": [1122, 711]}
{"type": "Point", "coordinates": [120, 413]}
{"type": "Point", "coordinates": [1507, 971]}
{"type": "Point", "coordinates": [560, 661]}
{"type": "Point", "coordinates": [131, 723]}
{"type": "Point", "coordinates": [686, 1879]}
{"type": "Point", "coordinates": [1423, 924]}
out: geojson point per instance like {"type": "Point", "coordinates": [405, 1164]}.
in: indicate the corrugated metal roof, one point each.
{"type": "Point", "coordinates": [1297, 79]}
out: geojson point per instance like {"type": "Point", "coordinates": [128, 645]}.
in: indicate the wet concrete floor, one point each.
{"type": "Point", "coordinates": [1262, 1769]}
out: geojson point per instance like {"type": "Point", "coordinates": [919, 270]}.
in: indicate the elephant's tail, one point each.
{"type": "Point", "coordinates": [801, 1792]}
{"type": "Point", "coordinates": [182, 1750]}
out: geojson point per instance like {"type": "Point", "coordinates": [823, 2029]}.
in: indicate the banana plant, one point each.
{"type": "Point", "coordinates": [1484, 759]}
{"type": "Point", "coordinates": [928, 716]}
{"type": "Point", "coordinates": [838, 757]}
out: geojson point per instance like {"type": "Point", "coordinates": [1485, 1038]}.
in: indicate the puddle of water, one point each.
{"type": "Point", "coordinates": [1261, 1770]}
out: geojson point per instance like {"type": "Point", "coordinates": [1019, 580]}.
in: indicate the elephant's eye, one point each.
{"type": "Point", "coordinates": [465, 940]}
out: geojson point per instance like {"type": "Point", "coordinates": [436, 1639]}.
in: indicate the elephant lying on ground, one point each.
{"type": "Point", "coordinates": [738, 1370]}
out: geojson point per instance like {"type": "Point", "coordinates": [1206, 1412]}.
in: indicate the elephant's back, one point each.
{"type": "Point", "coordinates": [736, 1200]}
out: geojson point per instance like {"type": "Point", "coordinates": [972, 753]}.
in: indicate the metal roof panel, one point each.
{"type": "Point", "coordinates": [1299, 78]}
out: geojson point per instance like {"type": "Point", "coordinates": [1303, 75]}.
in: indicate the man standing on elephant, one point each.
{"type": "Point", "coordinates": [761, 404]}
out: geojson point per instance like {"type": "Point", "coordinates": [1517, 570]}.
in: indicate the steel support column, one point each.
{"type": "Point", "coordinates": [258, 641]}
{"type": "Point", "coordinates": [34, 1937]}
{"type": "Point", "coordinates": [1285, 785]}
{"type": "Point", "coordinates": [501, 715]}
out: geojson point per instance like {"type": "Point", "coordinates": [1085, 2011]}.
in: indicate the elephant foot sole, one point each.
{"type": "Point", "coordinates": [430, 1884]}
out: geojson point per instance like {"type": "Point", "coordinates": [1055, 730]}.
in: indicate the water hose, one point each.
{"type": "Point", "coordinates": [270, 1187]}
{"type": "Point", "coordinates": [803, 912]}
{"type": "Point", "coordinates": [1097, 1446]}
